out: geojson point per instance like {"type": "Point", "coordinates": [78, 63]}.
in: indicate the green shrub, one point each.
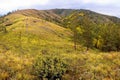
{"type": "Point", "coordinates": [50, 67]}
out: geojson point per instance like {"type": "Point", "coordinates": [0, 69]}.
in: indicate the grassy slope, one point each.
{"type": "Point", "coordinates": [33, 34]}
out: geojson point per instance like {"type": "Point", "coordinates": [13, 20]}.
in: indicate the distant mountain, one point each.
{"type": "Point", "coordinates": [57, 15]}
{"type": "Point", "coordinates": [93, 16]}
{"type": "Point", "coordinates": [99, 18]}
{"type": "Point", "coordinates": [62, 12]}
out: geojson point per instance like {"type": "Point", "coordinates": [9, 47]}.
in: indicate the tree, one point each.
{"type": "Point", "coordinates": [82, 28]}
{"type": "Point", "coordinates": [110, 36]}
{"type": "Point", "coordinates": [103, 36]}
{"type": "Point", "coordinates": [88, 33]}
{"type": "Point", "coordinates": [72, 22]}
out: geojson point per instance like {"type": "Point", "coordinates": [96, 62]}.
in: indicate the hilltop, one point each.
{"type": "Point", "coordinates": [56, 15]}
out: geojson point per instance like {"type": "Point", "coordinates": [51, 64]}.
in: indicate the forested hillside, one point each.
{"type": "Point", "coordinates": [59, 44]}
{"type": "Point", "coordinates": [94, 30]}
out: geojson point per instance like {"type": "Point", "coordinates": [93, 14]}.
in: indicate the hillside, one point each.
{"type": "Point", "coordinates": [57, 15]}
{"type": "Point", "coordinates": [39, 45]}
{"type": "Point", "coordinates": [100, 18]}
{"type": "Point", "coordinates": [62, 12]}
{"type": "Point", "coordinates": [94, 30]}
{"type": "Point", "coordinates": [44, 23]}
{"type": "Point", "coordinates": [35, 31]}
{"type": "Point", "coordinates": [93, 16]}
{"type": "Point", "coordinates": [44, 14]}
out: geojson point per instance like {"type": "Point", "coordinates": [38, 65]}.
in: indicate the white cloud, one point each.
{"type": "Point", "coordinates": [97, 1]}
{"type": "Point", "coordinates": [8, 5]}
{"type": "Point", "coordinates": [102, 2]}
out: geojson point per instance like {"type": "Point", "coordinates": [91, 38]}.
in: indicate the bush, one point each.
{"type": "Point", "coordinates": [50, 67]}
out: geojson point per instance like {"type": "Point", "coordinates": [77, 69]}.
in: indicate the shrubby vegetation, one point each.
{"type": "Point", "coordinates": [51, 67]}
{"type": "Point", "coordinates": [92, 66]}
{"type": "Point", "coordinates": [90, 33]}
{"type": "Point", "coordinates": [15, 67]}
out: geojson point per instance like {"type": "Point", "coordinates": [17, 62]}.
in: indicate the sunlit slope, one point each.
{"type": "Point", "coordinates": [31, 34]}
{"type": "Point", "coordinates": [35, 26]}
{"type": "Point", "coordinates": [44, 14]}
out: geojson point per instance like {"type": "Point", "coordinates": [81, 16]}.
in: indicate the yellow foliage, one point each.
{"type": "Point", "coordinates": [81, 14]}
{"type": "Point", "coordinates": [4, 75]}
{"type": "Point", "coordinates": [79, 30]}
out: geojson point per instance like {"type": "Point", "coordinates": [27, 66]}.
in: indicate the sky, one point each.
{"type": "Point", "coordinates": [109, 7]}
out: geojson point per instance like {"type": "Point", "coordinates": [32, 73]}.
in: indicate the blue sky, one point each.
{"type": "Point", "coordinates": [110, 7]}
